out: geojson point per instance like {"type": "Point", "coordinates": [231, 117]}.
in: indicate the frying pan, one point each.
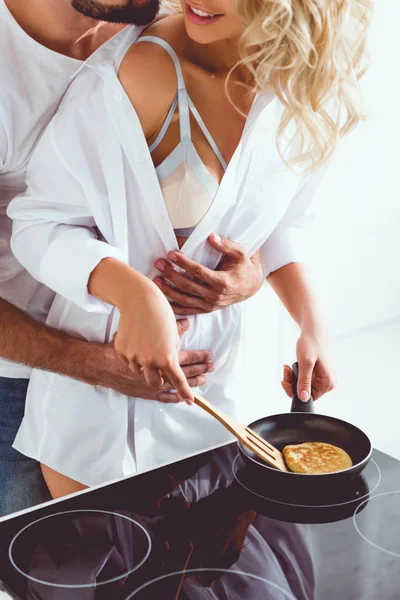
{"type": "Point", "coordinates": [303, 425]}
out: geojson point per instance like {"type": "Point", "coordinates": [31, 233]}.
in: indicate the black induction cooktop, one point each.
{"type": "Point", "coordinates": [206, 528]}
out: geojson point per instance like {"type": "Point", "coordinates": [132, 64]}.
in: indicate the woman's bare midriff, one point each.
{"type": "Point", "coordinates": [181, 240]}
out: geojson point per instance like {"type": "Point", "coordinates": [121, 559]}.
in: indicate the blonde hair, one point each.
{"type": "Point", "coordinates": [312, 53]}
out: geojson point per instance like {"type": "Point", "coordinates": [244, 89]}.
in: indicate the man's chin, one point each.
{"type": "Point", "coordinates": [143, 13]}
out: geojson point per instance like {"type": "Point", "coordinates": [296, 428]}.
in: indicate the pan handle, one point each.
{"type": "Point", "coordinates": [297, 404]}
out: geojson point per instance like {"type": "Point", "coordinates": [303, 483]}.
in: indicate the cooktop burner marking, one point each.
{"type": "Point", "coordinates": [379, 474]}
{"type": "Point", "coordinates": [212, 570]}
{"type": "Point", "coordinates": [83, 585]}
{"type": "Point", "coordinates": [357, 526]}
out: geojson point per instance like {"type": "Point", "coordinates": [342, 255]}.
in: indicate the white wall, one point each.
{"type": "Point", "coordinates": [356, 258]}
{"type": "Point", "coordinates": [356, 261]}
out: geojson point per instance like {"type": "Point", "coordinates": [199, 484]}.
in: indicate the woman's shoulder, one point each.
{"type": "Point", "coordinates": [148, 74]}
{"type": "Point", "coordinates": [171, 29]}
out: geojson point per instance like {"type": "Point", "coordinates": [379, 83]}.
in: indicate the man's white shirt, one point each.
{"type": "Point", "coordinates": [33, 82]}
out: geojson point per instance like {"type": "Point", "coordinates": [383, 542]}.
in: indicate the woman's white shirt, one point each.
{"type": "Point", "coordinates": [92, 192]}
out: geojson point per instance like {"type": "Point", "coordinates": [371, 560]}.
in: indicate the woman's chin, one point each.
{"type": "Point", "coordinates": [199, 34]}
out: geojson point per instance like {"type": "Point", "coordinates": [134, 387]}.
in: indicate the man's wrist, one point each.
{"type": "Point", "coordinates": [90, 359]}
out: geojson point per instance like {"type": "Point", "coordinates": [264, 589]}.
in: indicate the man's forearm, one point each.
{"type": "Point", "coordinates": [293, 286]}
{"type": "Point", "coordinates": [26, 341]}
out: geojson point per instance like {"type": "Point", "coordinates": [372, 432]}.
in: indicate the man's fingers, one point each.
{"type": "Point", "coordinates": [194, 363]}
{"type": "Point", "coordinates": [183, 283]}
{"type": "Point", "coordinates": [227, 247]}
{"type": "Point", "coordinates": [181, 311]}
{"type": "Point", "coordinates": [306, 367]}
{"type": "Point", "coordinates": [182, 325]}
{"type": "Point", "coordinates": [198, 271]}
{"type": "Point", "coordinates": [188, 357]}
{"type": "Point", "coordinates": [181, 298]}
{"type": "Point", "coordinates": [168, 398]}
{"type": "Point", "coordinates": [196, 370]}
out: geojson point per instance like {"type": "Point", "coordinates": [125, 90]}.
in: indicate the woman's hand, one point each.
{"type": "Point", "coordinates": [316, 371]}
{"type": "Point", "coordinates": [147, 338]}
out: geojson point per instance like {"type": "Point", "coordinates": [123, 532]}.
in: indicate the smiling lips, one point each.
{"type": "Point", "coordinates": [200, 17]}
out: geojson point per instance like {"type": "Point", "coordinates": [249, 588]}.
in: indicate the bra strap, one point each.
{"type": "Point", "coordinates": [184, 116]}
{"type": "Point", "coordinates": [207, 134]}
{"type": "Point", "coordinates": [165, 126]}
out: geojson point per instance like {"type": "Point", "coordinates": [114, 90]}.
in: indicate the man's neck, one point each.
{"type": "Point", "coordinates": [56, 25]}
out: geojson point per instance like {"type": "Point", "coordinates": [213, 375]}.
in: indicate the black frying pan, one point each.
{"type": "Point", "coordinates": [303, 425]}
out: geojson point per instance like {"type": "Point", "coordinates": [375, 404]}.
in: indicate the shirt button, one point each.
{"type": "Point", "coordinates": [118, 95]}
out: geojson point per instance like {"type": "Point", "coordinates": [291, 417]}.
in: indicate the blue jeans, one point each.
{"type": "Point", "coordinates": [21, 480]}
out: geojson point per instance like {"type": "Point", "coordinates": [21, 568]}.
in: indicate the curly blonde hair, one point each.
{"type": "Point", "coordinates": [313, 54]}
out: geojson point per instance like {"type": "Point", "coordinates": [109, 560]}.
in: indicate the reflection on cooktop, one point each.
{"type": "Point", "coordinates": [331, 503]}
{"type": "Point", "coordinates": [379, 525]}
{"type": "Point", "coordinates": [240, 585]}
{"type": "Point", "coordinates": [80, 549]}
{"type": "Point", "coordinates": [206, 529]}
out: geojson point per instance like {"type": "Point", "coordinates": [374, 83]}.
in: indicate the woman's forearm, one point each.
{"type": "Point", "coordinates": [292, 284]}
{"type": "Point", "coordinates": [118, 284]}
{"type": "Point", "coordinates": [147, 338]}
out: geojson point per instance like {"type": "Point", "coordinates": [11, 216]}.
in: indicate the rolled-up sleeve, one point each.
{"type": "Point", "coordinates": [54, 232]}
{"type": "Point", "coordinates": [288, 242]}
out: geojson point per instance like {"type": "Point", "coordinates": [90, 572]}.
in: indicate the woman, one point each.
{"type": "Point", "coordinates": [276, 84]}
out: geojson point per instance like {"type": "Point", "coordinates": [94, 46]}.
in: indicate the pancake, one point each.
{"type": "Point", "coordinates": [316, 457]}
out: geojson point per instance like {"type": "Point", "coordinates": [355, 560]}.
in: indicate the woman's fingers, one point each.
{"type": "Point", "coordinates": [153, 376]}
{"type": "Point", "coordinates": [316, 393]}
{"type": "Point", "coordinates": [287, 387]}
{"type": "Point", "coordinates": [171, 396]}
{"type": "Point", "coordinates": [306, 367]}
{"type": "Point", "coordinates": [133, 365]}
{"type": "Point", "coordinates": [287, 374]}
{"type": "Point", "coordinates": [178, 380]}
{"type": "Point", "coordinates": [287, 380]}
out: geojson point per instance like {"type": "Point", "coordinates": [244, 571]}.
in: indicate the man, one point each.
{"type": "Point", "coordinates": [43, 45]}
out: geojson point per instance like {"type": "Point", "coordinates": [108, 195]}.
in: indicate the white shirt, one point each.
{"type": "Point", "coordinates": [93, 192]}
{"type": "Point", "coordinates": [33, 81]}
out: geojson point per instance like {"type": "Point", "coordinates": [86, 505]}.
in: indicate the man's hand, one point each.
{"type": "Point", "coordinates": [119, 377]}
{"type": "Point", "coordinates": [201, 290]}
{"type": "Point", "coordinates": [93, 363]}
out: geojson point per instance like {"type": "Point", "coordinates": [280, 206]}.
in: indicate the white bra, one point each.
{"type": "Point", "coordinates": [187, 185]}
